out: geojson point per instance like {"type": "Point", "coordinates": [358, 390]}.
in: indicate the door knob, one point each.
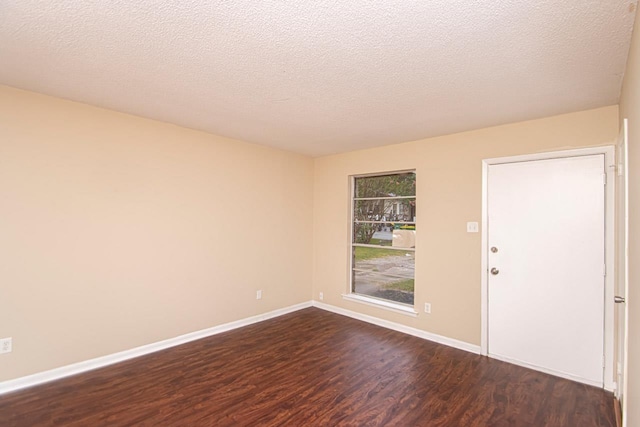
{"type": "Point", "coordinates": [618, 300]}
{"type": "Point", "coordinates": [495, 271]}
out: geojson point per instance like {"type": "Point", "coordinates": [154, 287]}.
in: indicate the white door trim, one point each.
{"type": "Point", "coordinates": [625, 344]}
{"type": "Point", "coordinates": [609, 153]}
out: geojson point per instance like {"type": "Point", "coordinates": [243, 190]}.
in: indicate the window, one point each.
{"type": "Point", "coordinates": [383, 236]}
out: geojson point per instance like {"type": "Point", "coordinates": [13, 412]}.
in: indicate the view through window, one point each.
{"type": "Point", "coordinates": [383, 236]}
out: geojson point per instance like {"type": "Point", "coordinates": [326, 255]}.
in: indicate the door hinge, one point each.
{"type": "Point", "coordinates": [604, 269]}
{"type": "Point", "coordinates": [604, 178]}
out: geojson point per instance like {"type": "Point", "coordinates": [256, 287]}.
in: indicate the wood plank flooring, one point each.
{"type": "Point", "coordinates": [310, 368]}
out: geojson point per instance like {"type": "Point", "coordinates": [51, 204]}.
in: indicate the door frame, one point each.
{"type": "Point", "coordinates": [623, 264]}
{"type": "Point", "coordinates": [610, 165]}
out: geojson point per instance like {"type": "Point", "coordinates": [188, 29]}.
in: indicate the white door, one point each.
{"type": "Point", "coordinates": [546, 240]}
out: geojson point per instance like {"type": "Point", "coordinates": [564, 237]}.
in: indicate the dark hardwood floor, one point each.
{"type": "Point", "coordinates": [310, 368]}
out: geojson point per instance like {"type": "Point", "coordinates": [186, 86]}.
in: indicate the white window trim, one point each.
{"type": "Point", "coordinates": [395, 307]}
{"type": "Point", "coordinates": [407, 310]}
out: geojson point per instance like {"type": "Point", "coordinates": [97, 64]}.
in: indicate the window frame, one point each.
{"type": "Point", "coordinates": [351, 295]}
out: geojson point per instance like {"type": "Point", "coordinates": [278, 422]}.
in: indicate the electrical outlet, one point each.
{"type": "Point", "coordinates": [259, 294]}
{"type": "Point", "coordinates": [427, 307]}
{"type": "Point", "coordinates": [6, 345]}
{"type": "Point", "coordinates": [472, 227]}
{"type": "Point", "coordinates": [321, 296]}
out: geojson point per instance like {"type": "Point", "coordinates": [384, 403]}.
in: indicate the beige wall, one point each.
{"type": "Point", "coordinates": [449, 193]}
{"type": "Point", "coordinates": [117, 231]}
{"type": "Point", "coordinates": [630, 108]}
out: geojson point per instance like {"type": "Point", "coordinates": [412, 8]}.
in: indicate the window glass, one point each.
{"type": "Point", "coordinates": [383, 239]}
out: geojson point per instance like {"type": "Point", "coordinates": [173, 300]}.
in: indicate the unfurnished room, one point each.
{"type": "Point", "coordinates": [364, 213]}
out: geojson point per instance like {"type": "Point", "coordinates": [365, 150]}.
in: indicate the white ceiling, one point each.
{"type": "Point", "coordinates": [320, 77]}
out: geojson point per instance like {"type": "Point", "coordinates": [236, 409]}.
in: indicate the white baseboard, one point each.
{"type": "Point", "coordinates": [461, 345]}
{"type": "Point", "coordinates": [110, 359]}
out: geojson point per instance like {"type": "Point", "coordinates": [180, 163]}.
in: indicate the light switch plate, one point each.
{"type": "Point", "coordinates": [6, 345]}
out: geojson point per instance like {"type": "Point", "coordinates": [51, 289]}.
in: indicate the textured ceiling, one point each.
{"type": "Point", "coordinates": [321, 77]}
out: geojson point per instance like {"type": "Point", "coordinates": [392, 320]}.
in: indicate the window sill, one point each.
{"type": "Point", "coordinates": [385, 305]}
